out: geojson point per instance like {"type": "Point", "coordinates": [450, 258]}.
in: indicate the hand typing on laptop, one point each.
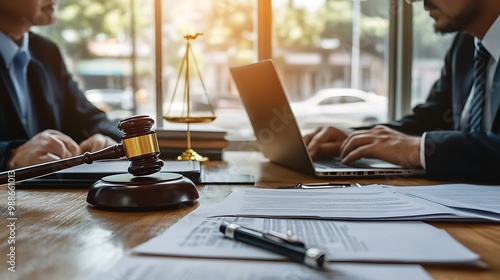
{"type": "Point", "coordinates": [378, 142]}
{"type": "Point", "coordinates": [281, 141]}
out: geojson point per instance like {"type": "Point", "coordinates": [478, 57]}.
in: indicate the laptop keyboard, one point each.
{"type": "Point", "coordinates": [329, 163]}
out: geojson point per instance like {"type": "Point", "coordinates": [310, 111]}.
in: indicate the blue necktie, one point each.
{"type": "Point", "coordinates": [20, 68]}
{"type": "Point", "coordinates": [477, 104]}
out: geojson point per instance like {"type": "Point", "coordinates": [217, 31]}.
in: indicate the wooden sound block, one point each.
{"type": "Point", "coordinates": [126, 192]}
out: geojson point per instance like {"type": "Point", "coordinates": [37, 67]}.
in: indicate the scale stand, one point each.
{"type": "Point", "coordinates": [186, 115]}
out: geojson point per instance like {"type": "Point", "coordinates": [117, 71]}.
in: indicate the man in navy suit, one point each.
{"type": "Point", "coordinates": [435, 135]}
{"type": "Point", "coordinates": [43, 114]}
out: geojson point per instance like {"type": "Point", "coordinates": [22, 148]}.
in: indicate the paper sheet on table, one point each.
{"type": "Point", "coordinates": [366, 203]}
{"type": "Point", "coordinates": [153, 268]}
{"type": "Point", "coordinates": [463, 196]}
{"type": "Point", "coordinates": [408, 242]}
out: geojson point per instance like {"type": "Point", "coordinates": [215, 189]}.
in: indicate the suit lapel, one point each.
{"type": "Point", "coordinates": [495, 100]}
{"type": "Point", "coordinates": [10, 91]}
{"type": "Point", "coordinates": [464, 78]}
{"type": "Point", "coordinates": [6, 80]}
{"type": "Point", "coordinates": [41, 94]}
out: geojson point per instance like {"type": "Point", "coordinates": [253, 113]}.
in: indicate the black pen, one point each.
{"type": "Point", "coordinates": [286, 245]}
{"type": "Point", "coordinates": [326, 185]}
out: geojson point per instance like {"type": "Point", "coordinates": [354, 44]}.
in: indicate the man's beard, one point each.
{"type": "Point", "coordinates": [457, 22]}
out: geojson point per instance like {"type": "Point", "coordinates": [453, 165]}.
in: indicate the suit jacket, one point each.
{"type": "Point", "coordinates": [57, 102]}
{"type": "Point", "coordinates": [451, 154]}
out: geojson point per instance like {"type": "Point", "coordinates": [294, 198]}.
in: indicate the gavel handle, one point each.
{"type": "Point", "coordinates": [34, 171]}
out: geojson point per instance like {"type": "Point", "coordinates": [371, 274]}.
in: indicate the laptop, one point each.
{"type": "Point", "coordinates": [278, 134]}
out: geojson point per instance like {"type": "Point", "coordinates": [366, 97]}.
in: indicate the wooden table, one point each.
{"type": "Point", "coordinates": [58, 236]}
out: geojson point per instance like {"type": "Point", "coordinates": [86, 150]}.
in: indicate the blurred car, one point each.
{"type": "Point", "coordinates": [228, 102]}
{"type": "Point", "coordinates": [344, 107]}
{"type": "Point", "coordinates": [217, 102]}
{"type": "Point", "coordinates": [111, 99]}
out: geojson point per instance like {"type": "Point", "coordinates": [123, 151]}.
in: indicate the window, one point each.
{"type": "Point", "coordinates": [330, 101]}
{"type": "Point", "coordinates": [110, 47]}
{"type": "Point", "coordinates": [227, 40]}
{"type": "Point", "coordinates": [429, 50]}
{"type": "Point", "coordinates": [322, 44]}
{"type": "Point", "coordinates": [351, 99]}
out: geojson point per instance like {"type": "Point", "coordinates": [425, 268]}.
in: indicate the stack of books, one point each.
{"type": "Point", "coordinates": [208, 141]}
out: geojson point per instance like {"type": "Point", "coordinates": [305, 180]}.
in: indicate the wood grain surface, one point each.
{"type": "Point", "coordinates": [59, 236]}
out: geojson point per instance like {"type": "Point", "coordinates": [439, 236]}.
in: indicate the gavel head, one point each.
{"type": "Point", "coordinates": [140, 145]}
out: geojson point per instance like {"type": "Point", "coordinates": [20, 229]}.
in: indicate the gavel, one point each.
{"type": "Point", "coordinates": [144, 188]}
{"type": "Point", "coordinates": [139, 145]}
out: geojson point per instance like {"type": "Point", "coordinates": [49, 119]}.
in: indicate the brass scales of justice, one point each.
{"type": "Point", "coordinates": [186, 115]}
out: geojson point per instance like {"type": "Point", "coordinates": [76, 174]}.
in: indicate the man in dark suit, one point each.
{"type": "Point", "coordinates": [43, 114]}
{"type": "Point", "coordinates": [439, 135]}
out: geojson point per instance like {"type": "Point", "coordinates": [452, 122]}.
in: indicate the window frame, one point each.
{"type": "Point", "coordinates": [400, 62]}
{"type": "Point", "coordinates": [400, 53]}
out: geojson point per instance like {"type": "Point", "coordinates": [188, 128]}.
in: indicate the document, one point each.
{"type": "Point", "coordinates": [373, 203]}
{"type": "Point", "coordinates": [346, 241]}
{"type": "Point", "coordinates": [153, 268]}
{"type": "Point", "coordinates": [460, 196]}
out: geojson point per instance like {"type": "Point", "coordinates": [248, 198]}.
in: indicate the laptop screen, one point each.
{"type": "Point", "coordinates": [268, 108]}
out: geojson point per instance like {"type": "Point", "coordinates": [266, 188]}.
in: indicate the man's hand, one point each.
{"type": "Point", "coordinates": [383, 143]}
{"type": "Point", "coordinates": [48, 145]}
{"type": "Point", "coordinates": [96, 142]}
{"type": "Point", "coordinates": [325, 141]}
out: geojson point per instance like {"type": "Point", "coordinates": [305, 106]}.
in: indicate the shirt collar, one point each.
{"type": "Point", "coordinates": [491, 40]}
{"type": "Point", "coordinates": [9, 49]}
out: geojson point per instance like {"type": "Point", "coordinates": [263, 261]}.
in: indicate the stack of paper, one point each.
{"type": "Point", "coordinates": [368, 203]}
{"type": "Point", "coordinates": [401, 242]}
{"type": "Point", "coordinates": [354, 226]}
{"type": "Point", "coordinates": [466, 197]}
{"type": "Point", "coordinates": [153, 268]}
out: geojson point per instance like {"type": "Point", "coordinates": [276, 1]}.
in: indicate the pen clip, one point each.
{"type": "Point", "coordinates": [289, 237]}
